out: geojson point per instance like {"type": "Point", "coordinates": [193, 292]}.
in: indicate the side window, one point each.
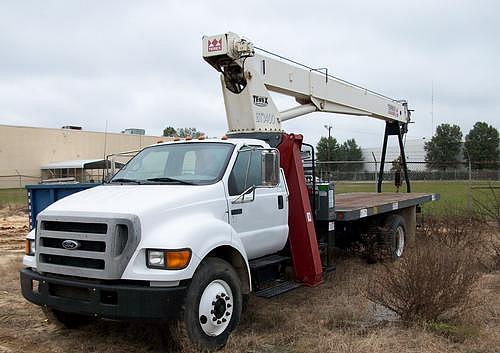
{"type": "Point", "coordinates": [239, 179]}
{"type": "Point", "coordinates": [255, 171]}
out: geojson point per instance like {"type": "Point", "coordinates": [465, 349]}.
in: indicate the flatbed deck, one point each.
{"type": "Point", "coordinates": [356, 205]}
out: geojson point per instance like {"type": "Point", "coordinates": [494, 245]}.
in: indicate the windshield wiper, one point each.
{"type": "Point", "coordinates": [170, 180]}
{"type": "Point", "coordinates": [125, 180]}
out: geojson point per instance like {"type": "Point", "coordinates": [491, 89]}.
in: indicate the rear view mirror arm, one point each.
{"type": "Point", "coordinates": [241, 197]}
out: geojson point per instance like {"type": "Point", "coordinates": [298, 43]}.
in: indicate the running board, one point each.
{"type": "Point", "coordinates": [267, 261]}
{"type": "Point", "coordinates": [277, 289]}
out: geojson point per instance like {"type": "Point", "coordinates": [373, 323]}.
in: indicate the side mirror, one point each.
{"type": "Point", "coordinates": [270, 168]}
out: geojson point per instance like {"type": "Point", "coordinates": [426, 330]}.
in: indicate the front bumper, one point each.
{"type": "Point", "coordinates": [121, 301]}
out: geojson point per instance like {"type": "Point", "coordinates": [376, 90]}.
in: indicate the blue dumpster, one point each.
{"type": "Point", "coordinates": [40, 196]}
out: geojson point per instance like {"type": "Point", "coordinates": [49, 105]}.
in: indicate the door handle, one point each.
{"type": "Point", "coordinates": [236, 211]}
{"type": "Point", "coordinates": [280, 202]}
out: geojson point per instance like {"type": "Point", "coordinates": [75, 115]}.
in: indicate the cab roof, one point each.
{"type": "Point", "coordinates": [233, 141]}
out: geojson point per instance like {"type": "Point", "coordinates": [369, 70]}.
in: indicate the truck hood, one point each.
{"type": "Point", "coordinates": [135, 199]}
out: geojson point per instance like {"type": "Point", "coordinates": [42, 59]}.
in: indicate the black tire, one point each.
{"type": "Point", "coordinates": [66, 320]}
{"type": "Point", "coordinates": [188, 332]}
{"type": "Point", "coordinates": [393, 230]}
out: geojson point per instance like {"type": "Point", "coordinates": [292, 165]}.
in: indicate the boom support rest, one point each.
{"type": "Point", "coordinates": [397, 129]}
{"type": "Point", "coordinates": [302, 235]}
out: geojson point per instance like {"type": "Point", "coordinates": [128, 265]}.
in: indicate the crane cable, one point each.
{"type": "Point", "coordinates": [326, 74]}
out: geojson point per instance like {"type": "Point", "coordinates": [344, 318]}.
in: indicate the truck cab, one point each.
{"type": "Point", "coordinates": [167, 237]}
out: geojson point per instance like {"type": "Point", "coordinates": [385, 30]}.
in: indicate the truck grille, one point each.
{"type": "Point", "coordinates": [75, 227]}
{"type": "Point", "coordinates": [86, 247]}
{"type": "Point", "coordinates": [72, 261]}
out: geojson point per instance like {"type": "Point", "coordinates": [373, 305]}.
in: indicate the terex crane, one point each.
{"type": "Point", "coordinates": [248, 78]}
{"type": "Point", "coordinates": [187, 229]}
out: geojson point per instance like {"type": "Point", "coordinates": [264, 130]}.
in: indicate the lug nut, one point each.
{"type": "Point", "coordinates": [213, 303]}
{"type": "Point", "coordinates": [228, 305]}
{"type": "Point", "coordinates": [217, 296]}
{"type": "Point", "coordinates": [211, 311]}
{"type": "Point", "coordinates": [224, 320]}
{"type": "Point", "coordinates": [218, 322]}
{"type": "Point", "coordinates": [214, 319]}
{"type": "Point", "coordinates": [227, 313]}
{"type": "Point", "coordinates": [223, 295]}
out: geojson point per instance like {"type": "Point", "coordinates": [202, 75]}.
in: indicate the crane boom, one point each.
{"type": "Point", "coordinates": [248, 77]}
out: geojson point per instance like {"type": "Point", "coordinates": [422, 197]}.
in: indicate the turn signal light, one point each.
{"type": "Point", "coordinates": [29, 248]}
{"type": "Point", "coordinates": [176, 260]}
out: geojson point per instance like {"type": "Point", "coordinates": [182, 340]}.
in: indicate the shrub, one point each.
{"type": "Point", "coordinates": [432, 279]}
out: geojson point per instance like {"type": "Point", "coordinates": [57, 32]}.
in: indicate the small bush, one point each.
{"type": "Point", "coordinates": [431, 280]}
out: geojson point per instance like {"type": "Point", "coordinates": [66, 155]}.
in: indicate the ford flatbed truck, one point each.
{"type": "Point", "coordinates": [186, 230]}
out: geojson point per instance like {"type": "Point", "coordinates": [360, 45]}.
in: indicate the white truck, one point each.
{"type": "Point", "coordinates": [188, 229]}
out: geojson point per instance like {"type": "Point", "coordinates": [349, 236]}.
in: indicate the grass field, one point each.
{"type": "Point", "coordinates": [454, 194]}
{"type": "Point", "coordinates": [15, 197]}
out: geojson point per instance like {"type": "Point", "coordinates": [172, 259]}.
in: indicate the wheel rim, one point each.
{"type": "Point", "coordinates": [216, 307]}
{"type": "Point", "coordinates": [400, 241]}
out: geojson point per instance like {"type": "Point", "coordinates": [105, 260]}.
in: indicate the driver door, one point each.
{"type": "Point", "coordinates": [259, 219]}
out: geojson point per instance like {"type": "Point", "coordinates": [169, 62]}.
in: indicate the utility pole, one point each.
{"type": "Point", "coordinates": [329, 128]}
{"type": "Point", "coordinates": [432, 109]}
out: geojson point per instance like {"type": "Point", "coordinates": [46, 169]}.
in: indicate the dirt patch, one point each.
{"type": "Point", "coordinates": [13, 228]}
{"type": "Point", "coordinates": [333, 317]}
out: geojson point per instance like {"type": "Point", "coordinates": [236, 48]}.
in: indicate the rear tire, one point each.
{"type": "Point", "coordinates": [66, 320]}
{"type": "Point", "coordinates": [394, 237]}
{"type": "Point", "coordinates": [212, 308]}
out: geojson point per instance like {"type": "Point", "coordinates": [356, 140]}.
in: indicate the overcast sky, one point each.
{"type": "Point", "coordinates": [139, 64]}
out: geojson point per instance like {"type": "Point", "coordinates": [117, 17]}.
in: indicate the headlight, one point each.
{"type": "Point", "coordinates": [30, 247]}
{"type": "Point", "coordinates": [168, 259]}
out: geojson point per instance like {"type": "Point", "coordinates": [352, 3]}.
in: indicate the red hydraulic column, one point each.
{"type": "Point", "coordinates": [302, 235]}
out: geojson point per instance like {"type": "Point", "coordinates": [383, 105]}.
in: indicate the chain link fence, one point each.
{"type": "Point", "coordinates": [17, 181]}
{"type": "Point", "coordinates": [369, 170]}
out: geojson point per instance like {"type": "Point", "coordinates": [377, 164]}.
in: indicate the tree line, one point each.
{"type": "Point", "coordinates": [182, 132]}
{"type": "Point", "coordinates": [446, 150]}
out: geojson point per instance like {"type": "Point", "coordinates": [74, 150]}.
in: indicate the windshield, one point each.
{"type": "Point", "coordinates": [182, 163]}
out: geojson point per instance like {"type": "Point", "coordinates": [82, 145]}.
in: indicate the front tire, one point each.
{"type": "Point", "coordinates": [212, 308]}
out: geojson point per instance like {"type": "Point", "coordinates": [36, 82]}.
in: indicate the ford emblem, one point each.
{"type": "Point", "coordinates": [70, 244]}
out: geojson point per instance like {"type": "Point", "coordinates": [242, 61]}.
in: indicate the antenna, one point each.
{"type": "Point", "coordinates": [432, 108]}
{"type": "Point", "coordinates": [104, 152]}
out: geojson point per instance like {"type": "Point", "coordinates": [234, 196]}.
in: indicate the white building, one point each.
{"type": "Point", "coordinates": [414, 151]}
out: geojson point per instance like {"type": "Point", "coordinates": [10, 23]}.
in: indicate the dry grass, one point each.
{"type": "Point", "coordinates": [334, 317]}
